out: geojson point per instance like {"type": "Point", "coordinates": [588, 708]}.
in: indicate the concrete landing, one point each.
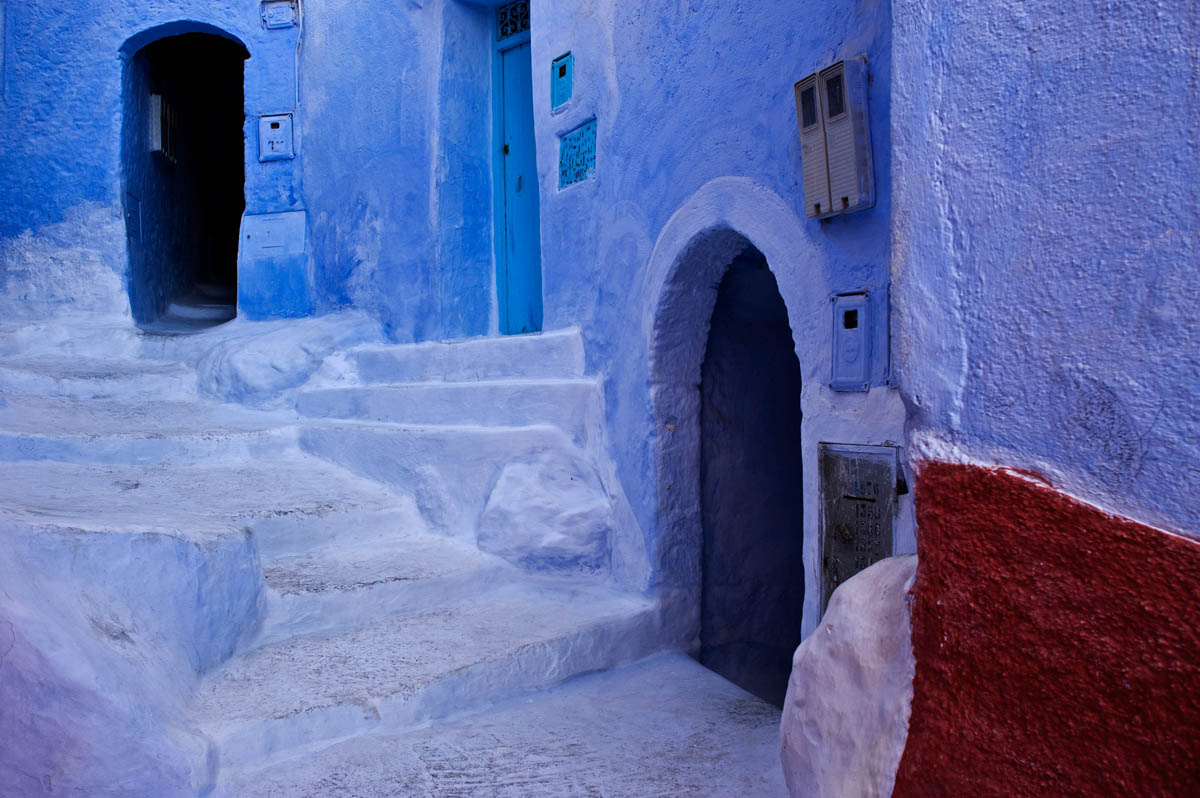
{"type": "Point", "coordinates": [662, 727]}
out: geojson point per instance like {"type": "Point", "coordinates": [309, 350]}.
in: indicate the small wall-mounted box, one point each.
{"type": "Point", "coordinates": [275, 142]}
{"type": "Point", "coordinates": [858, 489]}
{"type": "Point", "coordinates": [837, 97]}
{"type": "Point", "coordinates": [813, 160]}
{"type": "Point", "coordinates": [852, 334]}
{"type": "Point", "coordinates": [279, 14]}
{"type": "Point", "coordinates": [562, 77]}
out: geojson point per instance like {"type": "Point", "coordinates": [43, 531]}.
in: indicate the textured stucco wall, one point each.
{"type": "Point", "coordinates": [1047, 228]}
{"type": "Point", "coordinates": [1046, 233]}
{"type": "Point", "coordinates": [1056, 646]}
{"type": "Point", "coordinates": [392, 133]}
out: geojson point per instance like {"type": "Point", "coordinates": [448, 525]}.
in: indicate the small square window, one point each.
{"type": "Point", "coordinates": [850, 320]}
{"type": "Point", "coordinates": [835, 94]}
{"type": "Point", "coordinates": [808, 106]}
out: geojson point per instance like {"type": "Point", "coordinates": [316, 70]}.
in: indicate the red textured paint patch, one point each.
{"type": "Point", "coordinates": [1057, 647]}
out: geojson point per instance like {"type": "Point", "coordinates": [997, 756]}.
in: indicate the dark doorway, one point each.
{"type": "Point", "coordinates": [184, 156]}
{"type": "Point", "coordinates": [752, 597]}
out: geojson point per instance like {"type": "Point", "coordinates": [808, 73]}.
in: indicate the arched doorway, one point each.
{"type": "Point", "coordinates": [751, 487]}
{"type": "Point", "coordinates": [183, 166]}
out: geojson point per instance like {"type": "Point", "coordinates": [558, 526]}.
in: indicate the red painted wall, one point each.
{"type": "Point", "coordinates": [1057, 647]}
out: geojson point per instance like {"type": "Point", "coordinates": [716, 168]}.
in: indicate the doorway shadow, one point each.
{"type": "Point", "coordinates": [183, 153]}
{"type": "Point", "coordinates": [751, 490]}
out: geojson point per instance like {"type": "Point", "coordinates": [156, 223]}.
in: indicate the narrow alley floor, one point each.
{"type": "Point", "coordinates": [665, 726]}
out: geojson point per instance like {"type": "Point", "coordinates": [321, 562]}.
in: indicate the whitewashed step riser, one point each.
{"type": "Point", "coordinates": [279, 537]}
{"type": "Point", "coordinates": [557, 354]}
{"type": "Point", "coordinates": [449, 471]}
{"type": "Point", "coordinates": [85, 338]}
{"type": "Point", "coordinates": [125, 450]}
{"type": "Point", "coordinates": [572, 405]}
{"type": "Point", "coordinates": [181, 385]}
{"type": "Point", "coordinates": [606, 644]}
{"type": "Point", "coordinates": [304, 614]}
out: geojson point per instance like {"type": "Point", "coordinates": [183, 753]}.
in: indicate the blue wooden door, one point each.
{"type": "Point", "coordinates": [520, 264]}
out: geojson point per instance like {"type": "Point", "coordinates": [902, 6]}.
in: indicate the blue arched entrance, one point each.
{"type": "Point", "coordinates": [183, 169]}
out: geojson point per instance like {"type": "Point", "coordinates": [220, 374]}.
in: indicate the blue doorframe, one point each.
{"type": "Point", "coordinates": [517, 224]}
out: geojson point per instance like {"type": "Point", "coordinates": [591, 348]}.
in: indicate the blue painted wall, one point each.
{"type": "Point", "coordinates": [392, 115]}
{"type": "Point", "coordinates": [60, 145]}
{"type": "Point", "coordinates": [686, 94]}
{"type": "Point", "coordinates": [1048, 229]}
{"type": "Point", "coordinates": [397, 115]}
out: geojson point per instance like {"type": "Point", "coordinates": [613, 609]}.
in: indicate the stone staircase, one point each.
{"type": "Point", "coordinates": [427, 530]}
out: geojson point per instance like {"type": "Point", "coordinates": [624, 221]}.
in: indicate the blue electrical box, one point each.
{"type": "Point", "coordinates": [562, 76]}
{"type": "Point", "coordinates": [279, 14]}
{"type": "Point", "coordinates": [852, 334]}
{"type": "Point", "coordinates": [275, 142]}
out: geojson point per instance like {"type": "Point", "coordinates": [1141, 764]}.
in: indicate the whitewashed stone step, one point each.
{"type": "Point", "coordinates": [557, 353]}
{"type": "Point", "coordinates": [96, 378]}
{"type": "Point", "coordinates": [137, 432]}
{"type": "Point", "coordinates": [572, 405]}
{"type": "Point", "coordinates": [82, 335]}
{"type": "Point", "coordinates": [450, 471]}
{"type": "Point", "coordinates": [196, 502]}
{"type": "Point", "coordinates": [663, 726]}
{"type": "Point", "coordinates": [386, 571]}
{"type": "Point", "coordinates": [282, 699]}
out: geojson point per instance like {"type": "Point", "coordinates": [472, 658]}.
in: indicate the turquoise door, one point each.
{"type": "Point", "coordinates": [519, 265]}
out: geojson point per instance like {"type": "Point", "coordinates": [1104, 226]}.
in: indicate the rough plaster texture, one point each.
{"type": "Point", "coordinates": [70, 267]}
{"type": "Point", "coordinates": [846, 716]}
{"type": "Point", "coordinates": [258, 363]}
{"type": "Point", "coordinates": [1046, 241]}
{"type": "Point", "coordinates": [196, 594]}
{"type": "Point", "coordinates": [550, 514]}
{"type": "Point", "coordinates": [1056, 645]}
{"type": "Point", "coordinates": [393, 171]}
{"type": "Point", "coordinates": [398, 173]}
{"type": "Point", "coordinates": [103, 633]}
